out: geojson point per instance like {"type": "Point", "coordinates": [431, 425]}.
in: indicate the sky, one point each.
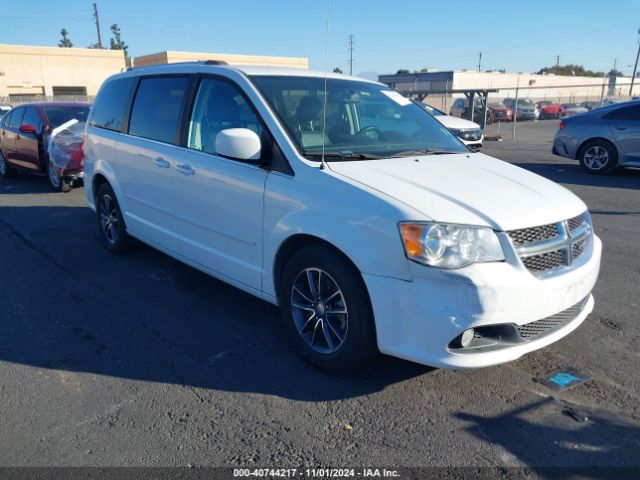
{"type": "Point", "coordinates": [517, 35]}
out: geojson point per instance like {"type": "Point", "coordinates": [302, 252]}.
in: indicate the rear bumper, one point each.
{"type": "Point", "coordinates": [418, 320]}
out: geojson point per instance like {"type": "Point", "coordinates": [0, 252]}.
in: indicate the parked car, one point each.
{"type": "Point", "coordinates": [468, 132]}
{"type": "Point", "coordinates": [499, 113]}
{"type": "Point", "coordinates": [24, 137]}
{"type": "Point", "coordinates": [460, 108]}
{"type": "Point", "coordinates": [395, 238]}
{"type": "Point", "coordinates": [569, 109]}
{"type": "Point", "coordinates": [4, 109]}
{"type": "Point", "coordinates": [590, 105]}
{"type": "Point", "coordinates": [524, 110]}
{"type": "Point", "coordinates": [548, 109]}
{"type": "Point", "coordinates": [602, 139]}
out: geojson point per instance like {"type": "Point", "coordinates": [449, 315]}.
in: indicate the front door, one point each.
{"type": "Point", "coordinates": [625, 126]}
{"type": "Point", "coordinates": [219, 201]}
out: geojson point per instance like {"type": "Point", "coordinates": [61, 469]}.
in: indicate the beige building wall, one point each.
{"type": "Point", "coordinates": [37, 70]}
{"type": "Point", "coordinates": [232, 59]}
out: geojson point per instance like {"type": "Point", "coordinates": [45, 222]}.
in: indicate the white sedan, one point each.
{"type": "Point", "coordinates": [468, 132]}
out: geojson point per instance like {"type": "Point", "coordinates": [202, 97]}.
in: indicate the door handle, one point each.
{"type": "Point", "coordinates": [161, 163]}
{"type": "Point", "coordinates": [185, 169]}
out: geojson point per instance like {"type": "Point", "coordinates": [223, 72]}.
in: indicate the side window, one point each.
{"type": "Point", "coordinates": [631, 112]}
{"type": "Point", "coordinates": [156, 108]}
{"type": "Point", "coordinates": [218, 105]}
{"type": "Point", "coordinates": [32, 117]}
{"type": "Point", "coordinates": [108, 108]}
{"type": "Point", "coordinates": [7, 118]}
{"type": "Point", "coordinates": [16, 118]}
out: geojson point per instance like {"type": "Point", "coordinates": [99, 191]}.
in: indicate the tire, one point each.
{"type": "Point", "coordinates": [338, 342]}
{"type": "Point", "coordinates": [5, 170]}
{"type": "Point", "coordinates": [55, 181]}
{"type": "Point", "coordinates": [111, 226]}
{"type": "Point", "coordinates": [598, 157]}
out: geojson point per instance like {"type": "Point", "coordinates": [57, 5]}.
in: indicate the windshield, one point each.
{"type": "Point", "coordinates": [361, 118]}
{"type": "Point", "coordinates": [570, 105]}
{"type": "Point", "coordinates": [56, 116]}
{"type": "Point", "coordinates": [525, 101]}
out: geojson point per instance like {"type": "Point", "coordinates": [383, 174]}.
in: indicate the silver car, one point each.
{"type": "Point", "coordinates": [602, 139]}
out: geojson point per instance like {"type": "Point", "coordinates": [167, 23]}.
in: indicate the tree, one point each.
{"type": "Point", "coordinates": [570, 70]}
{"type": "Point", "coordinates": [94, 45]}
{"type": "Point", "coordinates": [116, 41]}
{"type": "Point", "coordinates": [65, 42]}
{"type": "Point", "coordinates": [337, 70]}
{"type": "Point", "coordinates": [402, 71]}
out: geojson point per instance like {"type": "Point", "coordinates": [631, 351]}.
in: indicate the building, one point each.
{"type": "Point", "coordinates": [33, 73]}
{"type": "Point", "coordinates": [556, 88]}
{"type": "Point", "coordinates": [232, 59]}
{"type": "Point", "coordinates": [30, 74]}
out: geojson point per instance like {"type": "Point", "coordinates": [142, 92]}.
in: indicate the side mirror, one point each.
{"type": "Point", "coordinates": [238, 143]}
{"type": "Point", "coordinates": [27, 128]}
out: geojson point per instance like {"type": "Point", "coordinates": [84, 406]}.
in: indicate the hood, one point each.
{"type": "Point", "coordinates": [457, 123]}
{"type": "Point", "coordinates": [501, 109]}
{"type": "Point", "coordinates": [472, 189]}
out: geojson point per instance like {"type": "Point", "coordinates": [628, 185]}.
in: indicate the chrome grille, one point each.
{"type": "Point", "coordinates": [548, 248]}
{"type": "Point", "coordinates": [575, 222]}
{"type": "Point", "coordinates": [534, 234]}
{"type": "Point", "coordinates": [548, 324]}
{"type": "Point", "coordinates": [546, 261]}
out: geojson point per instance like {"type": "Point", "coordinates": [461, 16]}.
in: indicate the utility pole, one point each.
{"type": "Point", "coordinates": [95, 14]}
{"type": "Point", "coordinates": [479, 61]}
{"type": "Point", "coordinates": [351, 43]}
{"type": "Point", "coordinates": [557, 60]}
{"type": "Point", "coordinates": [635, 67]}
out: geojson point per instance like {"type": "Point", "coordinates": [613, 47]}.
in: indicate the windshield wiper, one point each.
{"type": "Point", "coordinates": [425, 151]}
{"type": "Point", "coordinates": [344, 155]}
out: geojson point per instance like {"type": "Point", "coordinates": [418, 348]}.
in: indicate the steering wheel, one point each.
{"type": "Point", "coordinates": [368, 131]}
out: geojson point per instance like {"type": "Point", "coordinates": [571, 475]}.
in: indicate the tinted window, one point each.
{"type": "Point", "coordinates": [16, 118]}
{"type": "Point", "coordinates": [32, 117]}
{"type": "Point", "coordinates": [156, 108]}
{"type": "Point", "coordinates": [218, 105]}
{"type": "Point", "coordinates": [56, 116]}
{"type": "Point", "coordinates": [108, 109]}
{"type": "Point", "coordinates": [631, 112]}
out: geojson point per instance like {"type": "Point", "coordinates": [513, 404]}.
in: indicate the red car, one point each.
{"type": "Point", "coordinates": [24, 139]}
{"type": "Point", "coordinates": [548, 109]}
{"type": "Point", "coordinates": [500, 113]}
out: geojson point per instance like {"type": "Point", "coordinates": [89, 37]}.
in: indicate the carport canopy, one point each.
{"type": "Point", "coordinates": [471, 94]}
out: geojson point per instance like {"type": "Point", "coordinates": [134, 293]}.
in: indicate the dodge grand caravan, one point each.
{"type": "Point", "coordinates": [389, 237]}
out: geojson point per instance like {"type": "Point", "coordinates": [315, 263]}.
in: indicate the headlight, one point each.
{"type": "Point", "coordinates": [455, 131]}
{"type": "Point", "coordinates": [446, 245]}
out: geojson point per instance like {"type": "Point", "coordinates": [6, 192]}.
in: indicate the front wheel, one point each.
{"type": "Point", "coordinates": [5, 170]}
{"type": "Point", "coordinates": [326, 310]}
{"type": "Point", "coordinates": [598, 157]}
{"type": "Point", "coordinates": [58, 183]}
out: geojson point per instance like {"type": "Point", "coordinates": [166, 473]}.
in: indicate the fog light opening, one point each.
{"type": "Point", "coordinates": [467, 337]}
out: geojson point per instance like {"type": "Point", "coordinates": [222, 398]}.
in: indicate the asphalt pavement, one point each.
{"type": "Point", "coordinates": [139, 360]}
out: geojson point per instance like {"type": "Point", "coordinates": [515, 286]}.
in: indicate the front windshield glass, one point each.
{"type": "Point", "coordinates": [362, 118]}
{"type": "Point", "coordinates": [525, 101]}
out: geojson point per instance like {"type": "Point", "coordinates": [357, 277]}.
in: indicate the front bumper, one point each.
{"type": "Point", "coordinates": [418, 320]}
{"type": "Point", "coordinates": [475, 145]}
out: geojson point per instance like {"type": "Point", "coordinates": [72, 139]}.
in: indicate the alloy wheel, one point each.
{"type": "Point", "coordinates": [109, 218]}
{"type": "Point", "coordinates": [596, 157]}
{"type": "Point", "coordinates": [319, 310]}
{"type": "Point", "coordinates": [53, 176]}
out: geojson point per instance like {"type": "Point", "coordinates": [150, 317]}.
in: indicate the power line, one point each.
{"type": "Point", "coordinates": [95, 14]}
{"type": "Point", "coordinates": [351, 46]}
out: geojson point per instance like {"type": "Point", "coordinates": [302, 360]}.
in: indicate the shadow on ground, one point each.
{"type": "Point", "coordinates": [70, 305]}
{"type": "Point", "coordinates": [541, 433]}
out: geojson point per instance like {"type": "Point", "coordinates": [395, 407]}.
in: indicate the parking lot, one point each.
{"type": "Point", "coordinates": [140, 360]}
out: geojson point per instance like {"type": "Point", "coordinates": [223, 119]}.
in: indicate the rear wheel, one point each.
{"type": "Point", "coordinates": [598, 157]}
{"type": "Point", "coordinates": [55, 180]}
{"type": "Point", "coordinates": [326, 310]}
{"type": "Point", "coordinates": [5, 170]}
{"type": "Point", "coordinates": [111, 226]}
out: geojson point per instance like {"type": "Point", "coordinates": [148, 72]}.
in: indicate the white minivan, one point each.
{"type": "Point", "coordinates": [372, 235]}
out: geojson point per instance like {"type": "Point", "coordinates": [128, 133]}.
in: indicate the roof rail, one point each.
{"type": "Point", "coordinates": [215, 62]}
{"type": "Point", "coordinates": [190, 62]}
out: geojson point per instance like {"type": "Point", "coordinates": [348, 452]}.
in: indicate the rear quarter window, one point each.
{"type": "Point", "coordinates": [109, 106]}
